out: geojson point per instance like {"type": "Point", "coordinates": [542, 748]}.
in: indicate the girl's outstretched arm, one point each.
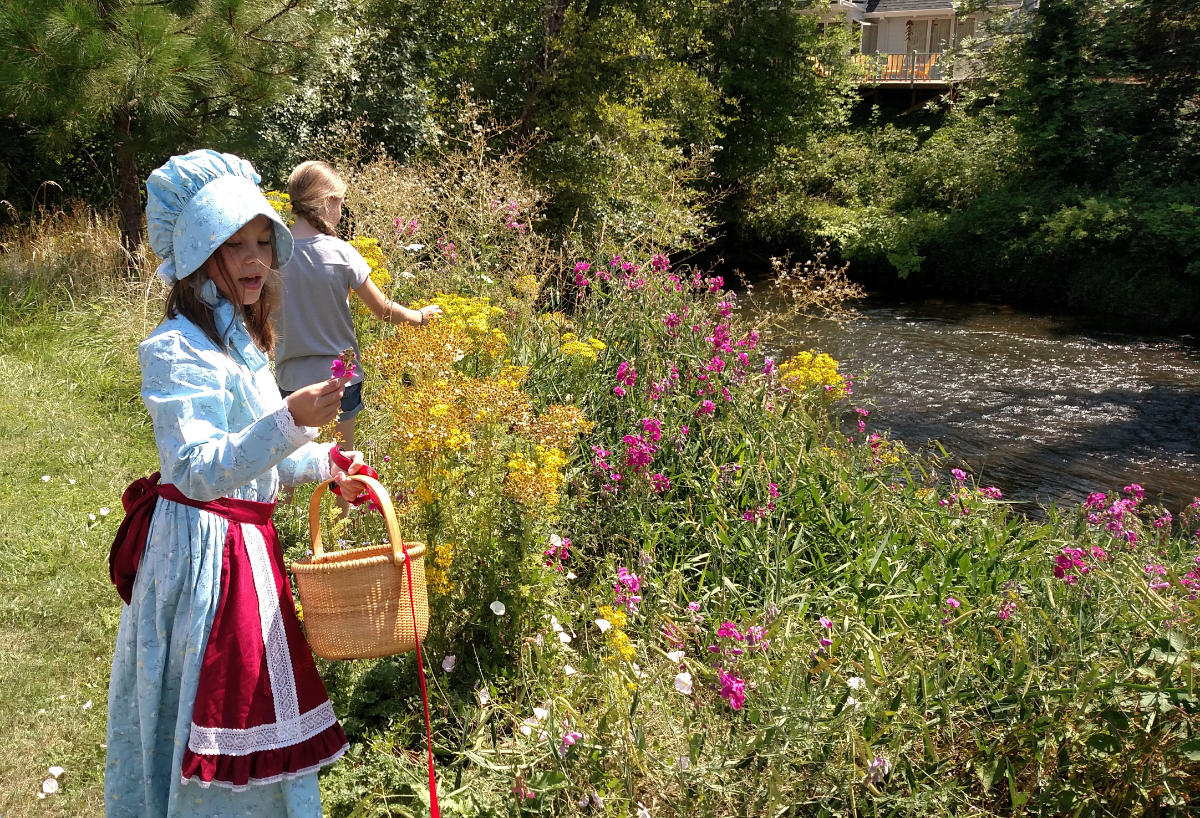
{"type": "Point", "coordinates": [385, 309]}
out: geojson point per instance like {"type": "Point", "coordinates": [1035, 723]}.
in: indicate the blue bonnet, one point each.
{"type": "Point", "coordinates": [195, 202]}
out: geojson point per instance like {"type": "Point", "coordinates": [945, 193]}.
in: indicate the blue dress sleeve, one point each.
{"type": "Point", "coordinates": [309, 463]}
{"type": "Point", "coordinates": [191, 395]}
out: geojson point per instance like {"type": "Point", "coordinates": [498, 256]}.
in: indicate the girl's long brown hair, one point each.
{"type": "Point", "coordinates": [309, 185]}
{"type": "Point", "coordinates": [184, 300]}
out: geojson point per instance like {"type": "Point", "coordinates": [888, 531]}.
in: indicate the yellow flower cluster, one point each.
{"type": "Point", "coordinates": [528, 285]}
{"type": "Point", "coordinates": [587, 351]}
{"type": "Point", "coordinates": [498, 399]}
{"type": "Point", "coordinates": [423, 352]}
{"type": "Point", "coordinates": [282, 203]}
{"type": "Point", "coordinates": [888, 452]}
{"type": "Point", "coordinates": [371, 251]}
{"type": "Point", "coordinates": [425, 417]}
{"type": "Point", "coordinates": [534, 481]}
{"type": "Point", "coordinates": [813, 369]}
{"type": "Point", "coordinates": [558, 426]}
{"type": "Point", "coordinates": [437, 574]}
{"type": "Point", "coordinates": [615, 636]}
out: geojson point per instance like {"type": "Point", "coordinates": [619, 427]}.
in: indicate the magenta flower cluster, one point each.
{"type": "Point", "coordinates": [1071, 563]}
{"type": "Point", "coordinates": [626, 590]}
{"type": "Point", "coordinates": [733, 688]}
{"type": "Point", "coordinates": [558, 553]}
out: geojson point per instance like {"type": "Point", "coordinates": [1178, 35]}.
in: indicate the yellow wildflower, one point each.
{"type": "Point", "coordinates": [813, 369]}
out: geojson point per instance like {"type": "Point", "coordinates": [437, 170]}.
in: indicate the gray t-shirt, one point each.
{"type": "Point", "coordinates": [314, 323]}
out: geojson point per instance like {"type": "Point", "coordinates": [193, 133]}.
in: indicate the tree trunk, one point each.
{"type": "Point", "coordinates": [555, 15]}
{"type": "Point", "coordinates": [129, 195]}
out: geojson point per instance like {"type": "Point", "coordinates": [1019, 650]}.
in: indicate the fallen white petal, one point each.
{"type": "Point", "coordinates": [564, 637]}
{"type": "Point", "coordinates": [87, 705]}
{"type": "Point", "coordinates": [71, 481]}
{"type": "Point", "coordinates": [526, 730]}
{"type": "Point", "coordinates": [555, 625]}
{"type": "Point", "coordinates": [45, 478]}
{"type": "Point", "coordinates": [104, 511]}
{"type": "Point", "coordinates": [412, 248]}
{"type": "Point", "coordinates": [570, 575]}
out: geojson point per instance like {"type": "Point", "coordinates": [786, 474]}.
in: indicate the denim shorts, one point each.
{"type": "Point", "coordinates": [352, 402]}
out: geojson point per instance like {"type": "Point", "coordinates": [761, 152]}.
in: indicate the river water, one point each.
{"type": "Point", "coordinates": [1043, 408]}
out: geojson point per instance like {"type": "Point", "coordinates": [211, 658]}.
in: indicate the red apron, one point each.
{"type": "Point", "coordinates": [261, 712]}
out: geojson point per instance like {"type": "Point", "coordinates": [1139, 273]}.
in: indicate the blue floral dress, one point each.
{"type": "Point", "coordinates": [222, 431]}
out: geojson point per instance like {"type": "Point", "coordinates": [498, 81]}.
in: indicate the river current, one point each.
{"type": "Point", "coordinates": [1043, 408]}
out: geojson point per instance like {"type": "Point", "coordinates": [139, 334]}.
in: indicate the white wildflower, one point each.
{"type": "Point", "coordinates": [603, 625]}
{"type": "Point", "coordinates": [498, 608]}
{"type": "Point", "coordinates": [50, 786]}
{"type": "Point", "coordinates": [676, 656]}
{"type": "Point", "coordinates": [856, 682]}
{"type": "Point", "coordinates": [449, 662]}
{"type": "Point", "coordinates": [683, 683]}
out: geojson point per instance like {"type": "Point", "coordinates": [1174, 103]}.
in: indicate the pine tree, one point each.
{"type": "Point", "coordinates": [153, 74]}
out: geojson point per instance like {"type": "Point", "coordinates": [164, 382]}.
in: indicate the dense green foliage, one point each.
{"type": "Point", "coordinates": [1076, 151]}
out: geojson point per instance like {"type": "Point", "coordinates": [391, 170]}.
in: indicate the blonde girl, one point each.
{"type": "Point", "coordinates": [314, 318]}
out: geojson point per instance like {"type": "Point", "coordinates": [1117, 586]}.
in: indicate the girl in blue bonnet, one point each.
{"type": "Point", "coordinates": [215, 706]}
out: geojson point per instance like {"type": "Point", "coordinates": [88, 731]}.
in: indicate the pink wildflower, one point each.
{"type": "Point", "coordinates": [733, 689]}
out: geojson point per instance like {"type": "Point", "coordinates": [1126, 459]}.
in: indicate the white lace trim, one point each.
{"type": "Point", "coordinates": [256, 782]}
{"type": "Point", "coordinates": [325, 467]}
{"type": "Point", "coordinates": [279, 658]}
{"type": "Point", "coordinates": [295, 434]}
{"type": "Point", "coordinates": [242, 741]}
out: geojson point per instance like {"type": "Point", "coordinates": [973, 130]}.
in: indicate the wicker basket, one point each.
{"type": "Point", "coordinates": [357, 602]}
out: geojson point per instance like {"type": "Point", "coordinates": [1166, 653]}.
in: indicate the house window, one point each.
{"type": "Point", "coordinates": [870, 38]}
{"type": "Point", "coordinates": [939, 35]}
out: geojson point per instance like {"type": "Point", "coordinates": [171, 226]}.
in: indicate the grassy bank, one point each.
{"type": "Point", "coordinates": [669, 574]}
{"type": "Point", "coordinates": [71, 435]}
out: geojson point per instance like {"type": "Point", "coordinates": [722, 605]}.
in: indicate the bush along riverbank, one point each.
{"type": "Point", "coordinates": [671, 575]}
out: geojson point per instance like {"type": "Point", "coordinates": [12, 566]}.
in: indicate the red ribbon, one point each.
{"type": "Point", "coordinates": [139, 501]}
{"type": "Point", "coordinates": [342, 462]}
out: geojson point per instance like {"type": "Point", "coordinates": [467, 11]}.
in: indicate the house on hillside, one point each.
{"type": "Point", "coordinates": [909, 42]}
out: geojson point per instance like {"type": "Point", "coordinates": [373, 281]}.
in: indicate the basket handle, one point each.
{"type": "Point", "coordinates": [382, 499]}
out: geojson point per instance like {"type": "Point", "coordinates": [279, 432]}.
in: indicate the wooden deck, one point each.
{"type": "Point", "coordinates": [902, 69]}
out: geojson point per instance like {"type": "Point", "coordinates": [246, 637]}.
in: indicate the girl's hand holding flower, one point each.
{"type": "Point", "coordinates": [317, 404]}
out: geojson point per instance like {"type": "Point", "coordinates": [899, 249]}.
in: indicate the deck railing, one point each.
{"type": "Point", "coordinates": [912, 67]}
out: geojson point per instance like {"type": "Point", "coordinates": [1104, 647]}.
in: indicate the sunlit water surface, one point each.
{"type": "Point", "coordinates": [1041, 407]}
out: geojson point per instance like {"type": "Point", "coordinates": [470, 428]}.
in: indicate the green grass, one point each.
{"type": "Point", "coordinates": [69, 380]}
